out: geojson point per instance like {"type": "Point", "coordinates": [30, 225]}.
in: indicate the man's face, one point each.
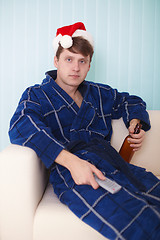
{"type": "Point", "coordinates": [72, 69]}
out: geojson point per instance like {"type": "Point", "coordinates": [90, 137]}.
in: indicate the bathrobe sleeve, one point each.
{"type": "Point", "coordinates": [130, 107]}
{"type": "Point", "coordinates": [28, 128]}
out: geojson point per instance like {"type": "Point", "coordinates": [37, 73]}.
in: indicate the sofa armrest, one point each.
{"type": "Point", "coordinates": [22, 183]}
{"type": "Point", "coordinates": [149, 155]}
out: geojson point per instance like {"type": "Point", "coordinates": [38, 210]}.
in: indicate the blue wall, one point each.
{"type": "Point", "coordinates": [127, 49]}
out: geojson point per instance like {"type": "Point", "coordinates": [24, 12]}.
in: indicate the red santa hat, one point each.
{"type": "Point", "coordinates": [64, 35]}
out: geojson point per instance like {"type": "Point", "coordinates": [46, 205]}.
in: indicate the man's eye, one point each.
{"type": "Point", "coordinates": [68, 60]}
{"type": "Point", "coordinates": [82, 61]}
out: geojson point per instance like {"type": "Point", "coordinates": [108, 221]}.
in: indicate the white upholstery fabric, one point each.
{"type": "Point", "coordinates": [22, 183]}
{"type": "Point", "coordinates": [149, 155]}
{"type": "Point", "coordinates": [23, 180]}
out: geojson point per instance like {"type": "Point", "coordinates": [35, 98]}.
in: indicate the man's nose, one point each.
{"type": "Point", "coordinates": [76, 66]}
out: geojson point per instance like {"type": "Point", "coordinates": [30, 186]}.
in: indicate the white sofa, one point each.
{"type": "Point", "coordinates": [29, 210]}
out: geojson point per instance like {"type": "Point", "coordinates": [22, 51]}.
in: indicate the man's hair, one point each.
{"type": "Point", "coordinates": [80, 45]}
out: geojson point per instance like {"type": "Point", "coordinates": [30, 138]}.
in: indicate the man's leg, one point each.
{"type": "Point", "coordinates": [124, 215]}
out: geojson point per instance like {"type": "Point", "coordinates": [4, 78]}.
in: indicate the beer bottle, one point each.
{"type": "Point", "coordinates": [126, 150]}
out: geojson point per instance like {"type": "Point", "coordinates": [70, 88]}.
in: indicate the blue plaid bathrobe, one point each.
{"type": "Point", "coordinates": [48, 120]}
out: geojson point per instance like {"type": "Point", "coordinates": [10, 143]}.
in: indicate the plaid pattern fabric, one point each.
{"type": "Point", "coordinates": [129, 214]}
{"type": "Point", "coordinates": [47, 120]}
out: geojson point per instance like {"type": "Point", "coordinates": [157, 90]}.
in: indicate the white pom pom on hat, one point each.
{"type": "Point", "coordinates": [64, 35]}
{"type": "Point", "coordinates": [66, 41]}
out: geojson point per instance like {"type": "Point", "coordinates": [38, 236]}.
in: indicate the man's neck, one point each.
{"type": "Point", "coordinates": [73, 92]}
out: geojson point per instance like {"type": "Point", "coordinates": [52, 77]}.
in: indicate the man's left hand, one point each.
{"type": "Point", "coordinates": [136, 140]}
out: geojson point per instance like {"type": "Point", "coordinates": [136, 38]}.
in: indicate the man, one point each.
{"type": "Point", "coordinates": [67, 121]}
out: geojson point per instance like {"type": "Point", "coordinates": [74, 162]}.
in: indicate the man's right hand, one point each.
{"type": "Point", "coordinates": [81, 170]}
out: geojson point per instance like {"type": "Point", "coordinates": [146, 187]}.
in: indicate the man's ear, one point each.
{"type": "Point", "coordinates": [55, 61]}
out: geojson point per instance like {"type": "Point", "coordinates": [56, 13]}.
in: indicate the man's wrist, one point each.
{"type": "Point", "coordinates": [64, 158]}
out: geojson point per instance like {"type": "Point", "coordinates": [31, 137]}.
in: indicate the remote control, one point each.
{"type": "Point", "coordinates": [108, 184]}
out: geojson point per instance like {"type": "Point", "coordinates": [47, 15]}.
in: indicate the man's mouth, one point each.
{"type": "Point", "coordinates": [74, 76]}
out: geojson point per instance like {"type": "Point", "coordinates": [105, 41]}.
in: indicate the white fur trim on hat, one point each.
{"type": "Point", "coordinates": [86, 35]}
{"type": "Point", "coordinates": [56, 41]}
